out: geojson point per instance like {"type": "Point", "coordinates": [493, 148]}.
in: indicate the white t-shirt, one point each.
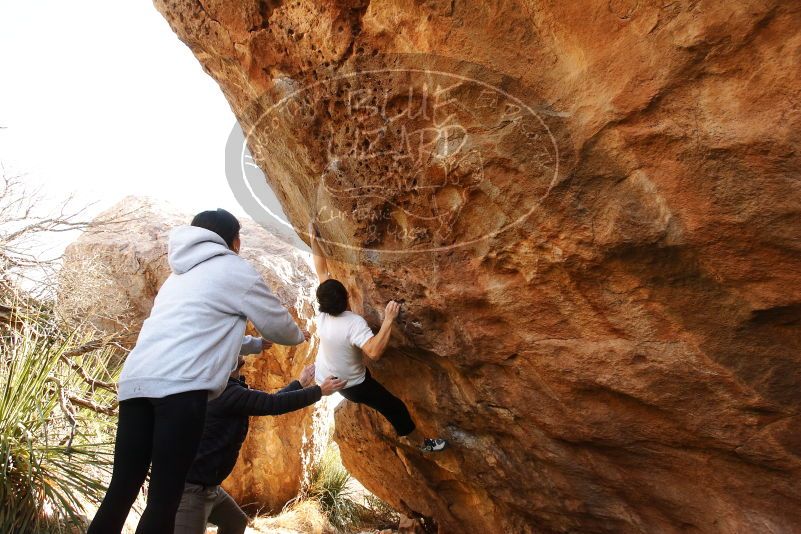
{"type": "Point", "coordinates": [341, 339]}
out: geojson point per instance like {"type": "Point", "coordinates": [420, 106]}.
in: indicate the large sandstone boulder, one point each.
{"type": "Point", "coordinates": [123, 268]}
{"type": "Point", "coordinates": [592, 211]}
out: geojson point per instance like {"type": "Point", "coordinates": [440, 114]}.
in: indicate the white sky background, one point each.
{"type": "Point", "coordinates": [100, 98]}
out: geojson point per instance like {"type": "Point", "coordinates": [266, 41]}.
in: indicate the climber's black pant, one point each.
{"type": "Point", "coordinates": [165, 432]}
{"type": "Point", "coordinates": [376, 396]}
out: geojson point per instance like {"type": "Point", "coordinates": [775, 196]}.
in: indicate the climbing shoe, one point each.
{"type": "Point", "coordinates": [433, 445]}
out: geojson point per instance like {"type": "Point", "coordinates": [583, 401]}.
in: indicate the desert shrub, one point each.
{"type": "Point", "coordinates": [57, 404]}
{"type": "Point", "coordinates": [342, 501]}
{"type": "Point", "coordinates": [330, 485]}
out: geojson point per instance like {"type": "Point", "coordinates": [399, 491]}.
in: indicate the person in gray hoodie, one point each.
{"type": "Point", "coordinates": [183, 357]}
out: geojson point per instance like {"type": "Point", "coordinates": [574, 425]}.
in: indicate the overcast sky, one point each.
{"type": "Point", "coordinates": [101, 98]}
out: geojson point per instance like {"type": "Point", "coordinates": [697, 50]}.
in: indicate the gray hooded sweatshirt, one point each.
{"type": "Point", "coordinates": [196, 329]}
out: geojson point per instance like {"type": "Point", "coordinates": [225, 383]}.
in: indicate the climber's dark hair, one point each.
{"type": "Point", "coordinates": [220, 222]}
{"type": "Point", "coordinates": [332, 297]}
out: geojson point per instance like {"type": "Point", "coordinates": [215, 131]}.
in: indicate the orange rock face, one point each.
{"type": "Point", "coordinates": [592, 211]}
{"type": "Point", "coordinates": [132, 263]}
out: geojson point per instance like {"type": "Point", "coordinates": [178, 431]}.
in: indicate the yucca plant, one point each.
{"type": "Point", "coordinates": [56, 418]}
{"type": "Point", "coordinates": [330, 485]}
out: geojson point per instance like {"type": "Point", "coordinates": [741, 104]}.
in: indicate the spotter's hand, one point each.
{"type": "Point", "coordinates": [332, 384]}
{"type": "Point", "coordinates": [307, 376]}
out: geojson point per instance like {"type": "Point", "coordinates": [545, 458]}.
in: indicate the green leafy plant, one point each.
{"type": "Point", "coordinates": [347, 506]}
{"type": "Point", "coordinates": [330, 485]}
{"type": "Point", "coordinates": [57, 404]}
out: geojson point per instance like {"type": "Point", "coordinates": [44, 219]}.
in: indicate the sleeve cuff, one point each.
{"type": "Point", "coordinates": [251, 345]}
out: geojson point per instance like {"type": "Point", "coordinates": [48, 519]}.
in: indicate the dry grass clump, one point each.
{"type": "Point", "coordinates": [331, 502]}
{"type": "Point", "coordinates": [304, 516]}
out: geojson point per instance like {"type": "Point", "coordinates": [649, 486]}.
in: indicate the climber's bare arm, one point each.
{"type": "Point", "coordinates": [376, 345]}
{"type": "Point", "coordinates": [320, 261]}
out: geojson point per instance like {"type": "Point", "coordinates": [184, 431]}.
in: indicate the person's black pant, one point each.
{"type": "Point", "coordinates": [165, 432]}
{"type": "Point", "coordinates": [376, 396]}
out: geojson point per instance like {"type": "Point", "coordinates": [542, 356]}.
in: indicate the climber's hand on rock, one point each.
{"type": "Point", "coordinates": [307, 376]}
{"type": "Point", "coordinates": [313, 232]}
{"type": "Point", "coordinates": [265, 344]}
{"type": "Point", "coordinates": [306, 334]}
{"type": "Point", "coordinates": [392, 310]}
{"type": "Point", "coordinates": [332, 384]}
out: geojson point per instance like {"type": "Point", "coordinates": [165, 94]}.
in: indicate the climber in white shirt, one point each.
{"type": "Point", "coordinates": [345, 337]}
